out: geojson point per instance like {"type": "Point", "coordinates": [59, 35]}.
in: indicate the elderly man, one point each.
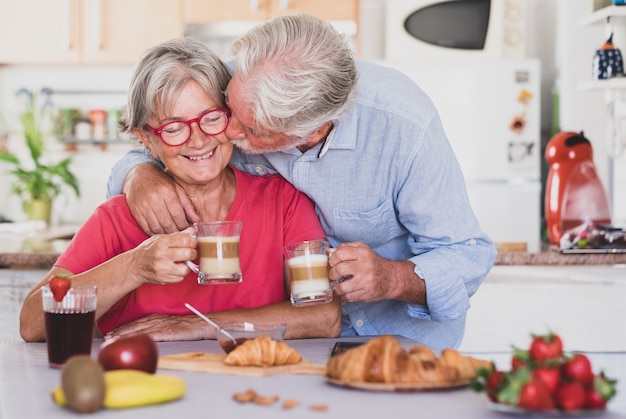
{"type": "Point", "coordinates": [367, 146]}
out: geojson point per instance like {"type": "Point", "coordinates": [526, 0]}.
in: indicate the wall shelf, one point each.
{"type": "Point", "coordinates": [600, 16]}
{"type": "Point", "coordinates": [615, 15]}
{"type": "Point", "coordinates": [86, 92]}
{"type": "Point", "coordinates": [71, 140]}
{"type": "Point", "coordinates": [609, 84]}
{"type": "Point", "coordinates": [613, 19]}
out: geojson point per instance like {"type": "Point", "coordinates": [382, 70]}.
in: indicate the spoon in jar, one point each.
{"type": "Point", "coordinates": [211, 322]}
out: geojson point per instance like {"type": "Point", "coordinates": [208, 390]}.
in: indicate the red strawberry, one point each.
{"type": "Point", "coordinates": [578, 367]}
{"type": "Point", "coordinates": [551, 376]}
{"type": "Point", "coordinates": [595, 400]}
{"type": "Point", "coordinates": [571, 396]}
{"type": "Point", "coordinates": [546, 347]}
{"type": "Point", "coordinates": [493, 384]}
{"type": "Point", "coordinates": [602, 391]}
{"type": "Point", "coordinates": [535, 395]}
{"type": "Point", "coordinates": [520, 388]}
{"type": "Point", "coordinates": [59, 285]}
{"type": "Point", "coordinates": [520, 359]}
{"type": "Point", "coordinates": [488, 380]}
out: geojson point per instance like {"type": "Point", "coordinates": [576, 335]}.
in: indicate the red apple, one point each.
{"type": "Point", "coordinates": [137, 352]}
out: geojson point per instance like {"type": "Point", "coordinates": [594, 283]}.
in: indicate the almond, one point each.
{"type": "Point", "coordinates": [246, 397]}
{"type": "Point", "coordinates": [265, 400]}
{"type": "Point", "coordinates": [291, 403]}
{"type": "Point", "coordinates": [319, 407]}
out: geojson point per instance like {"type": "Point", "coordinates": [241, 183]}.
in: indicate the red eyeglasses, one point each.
{"type": "Point", "coordinates": [177, 133]}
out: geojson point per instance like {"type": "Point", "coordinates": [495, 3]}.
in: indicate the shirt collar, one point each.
{"type": "Point", "coordinates": [342, 136]}
{"type": "Point", "coordinates": [326, 143]}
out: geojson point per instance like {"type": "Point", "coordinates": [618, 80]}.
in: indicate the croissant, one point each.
{"type": "Point", "coordinates": [381, 360]}
{"type": "Point", "coordinates": [384, 360]}
{"type": "Point", "coordinates": [466, 365]}
{"type": "Point", "coordinates": [422, 353]}
{"type": "Point", "coordinates": [263, 351]}
{"type": "Point", "coordinates": [435, 372]}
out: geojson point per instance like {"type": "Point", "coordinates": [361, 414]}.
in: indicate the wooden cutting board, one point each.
{"type": "Point", "coordinates": [206, 362]}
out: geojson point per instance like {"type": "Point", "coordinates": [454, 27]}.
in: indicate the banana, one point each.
{"type": "Point", "coordinates": [59, 397]}
{"type": "Point", "coordinates": [133, 388]}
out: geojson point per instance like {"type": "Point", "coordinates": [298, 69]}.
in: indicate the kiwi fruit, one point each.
{"type": "Point", "coordinates": [82, 380]}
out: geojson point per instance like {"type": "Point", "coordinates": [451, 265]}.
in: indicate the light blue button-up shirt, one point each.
{"type": "Point", "coordinates": [387, 177]}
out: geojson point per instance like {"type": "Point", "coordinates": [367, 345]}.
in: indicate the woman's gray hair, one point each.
{"type": "Point", "coordinates": [163, 70]}
{"type": "Point", "coordinates": [298, 73]}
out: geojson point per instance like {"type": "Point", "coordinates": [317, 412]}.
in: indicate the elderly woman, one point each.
{"type": "Point", "coordinates": [176, 108]}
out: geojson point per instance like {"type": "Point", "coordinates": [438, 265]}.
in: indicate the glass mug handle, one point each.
{"type": "Point", "coordinates": [193, 266]}
{"type": "Point", "coordinates": [219, 277]}
{"type": "Point", "coordinates": [336, 282]}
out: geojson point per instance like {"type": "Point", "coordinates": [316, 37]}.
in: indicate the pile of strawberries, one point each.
{"type": "Point", "coordinates": [546, 378]}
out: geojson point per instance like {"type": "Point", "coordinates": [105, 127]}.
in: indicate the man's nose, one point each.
{"type": "Point", "coordinates": [234, 130]}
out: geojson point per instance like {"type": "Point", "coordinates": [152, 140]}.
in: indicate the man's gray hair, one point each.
{"type": "Point", "coordinates": [298, 73]}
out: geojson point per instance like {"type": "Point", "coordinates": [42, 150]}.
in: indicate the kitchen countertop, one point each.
{"type": "Point", "coordinates": [550, 257]}
{"type": "Point", "coordinates": [45, 258]}
{"type": "Point", "coordinates": [40, 249]}
{"type": "Point", "coordinates": [28, 381]}
{"type": "Point", "coordinates": [29, 245]}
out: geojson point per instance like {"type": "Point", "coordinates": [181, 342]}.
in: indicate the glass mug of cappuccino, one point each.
{"type": "Point", "coordinates": [218, 243]}
{"type": "Point", "coordinates": [307, 272]}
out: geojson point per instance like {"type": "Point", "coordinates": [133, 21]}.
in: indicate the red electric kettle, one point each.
{"type": "Point", "coordinates": [574, 192]}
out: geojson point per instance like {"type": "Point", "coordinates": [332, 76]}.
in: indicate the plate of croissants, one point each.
{"type": "Point", "coordinates": [382, 364]}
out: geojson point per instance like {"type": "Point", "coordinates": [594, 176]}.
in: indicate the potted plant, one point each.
{"type": "Point", "coordinates": [38, 182]}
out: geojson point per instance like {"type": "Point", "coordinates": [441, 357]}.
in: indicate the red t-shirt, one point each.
{"type": "Point", "coordinates": [273, 212]}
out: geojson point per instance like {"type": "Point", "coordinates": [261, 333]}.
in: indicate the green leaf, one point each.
{"type": "Point", "coordinates": [479, 383]}
{"type": "Point", "coordinates": [478, 386]}
{"type": "Point", "coordinates": [9, 157]}
{"type": "Point", "coordinates": [605, 386]}
{"type": "Point", "coordinates": [43, 180]}
{"type": "Point", "coordinates": [512, 385]}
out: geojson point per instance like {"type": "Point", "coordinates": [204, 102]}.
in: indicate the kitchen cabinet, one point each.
{"type": "Point", "coordinates": [547, 298]}
{"type": "Point", "coordinates": [85, 31]}
{"type": "Point", "coordinates": [324, 9]}
{"type": "Point", "coordinates": [14, 286]}
{"type": "Point", "coordinates": [219, 23]}
{"type": "Point", "coordinates": [204, 11]}
{"type": "Point", "coordinates": [39, 31]}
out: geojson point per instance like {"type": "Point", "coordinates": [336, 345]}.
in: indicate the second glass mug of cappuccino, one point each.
{"type": "Point", "coordinates": [307, 270]}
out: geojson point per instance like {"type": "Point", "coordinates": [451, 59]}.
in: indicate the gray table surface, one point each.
{"type": "Point", "coordinates": [26, 382]}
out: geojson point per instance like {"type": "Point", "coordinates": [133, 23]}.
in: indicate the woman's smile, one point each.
{"type": "Point", "coordinates": [202, 156]}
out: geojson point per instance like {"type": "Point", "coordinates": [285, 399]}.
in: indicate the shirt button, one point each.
{"type": "Point", "coordinates": [258, 169]}
{"type": "Point", "coordinates": [472, 241]}
{"type": "Point", "coordinates": [359, 323]}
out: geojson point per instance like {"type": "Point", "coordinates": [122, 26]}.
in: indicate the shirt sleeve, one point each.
{"type": "Point", "coordinates": [134, 157]}
{"type": "Point", "coordinates": [451, 252]}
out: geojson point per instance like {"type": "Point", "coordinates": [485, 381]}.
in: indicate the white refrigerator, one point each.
{"type": "Point", "coordinates": [491, 114]}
